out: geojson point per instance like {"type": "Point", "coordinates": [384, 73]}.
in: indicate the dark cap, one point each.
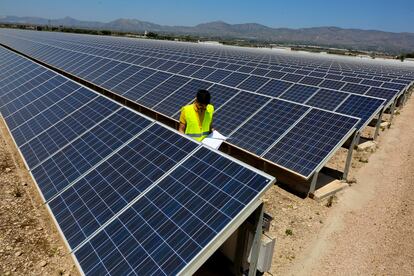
{"type": "Point", "coordinates": [203, 96]}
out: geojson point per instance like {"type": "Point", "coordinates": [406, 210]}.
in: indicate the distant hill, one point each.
{"type": "Point", "coordinates": [323, 36]}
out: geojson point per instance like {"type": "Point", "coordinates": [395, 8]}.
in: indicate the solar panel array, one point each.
{"type": "Point", "coordinates": [128, 194]}
{"type": "Point", "coordinates": [164, 79]}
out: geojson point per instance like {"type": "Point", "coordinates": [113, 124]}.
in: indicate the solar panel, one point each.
{"type": "Point", "coordinates": [372, 83]}
{"type": "Point", "coordinates": [244, 105]}
{"type": "Point", "coordinates": [90, 202]}
{"type": "Point", "coordinates": [218, 75]}
{"type": "Point", "coordinates": [355, 88]}
{"type": "Point", "coordinates": [234, 79]}
{"type": "Point", "coordinates": [165, 230]}
{"type": "Point", "coordinates": [161, 92]}
{"type": "Point", "coordinates": [130, 82]}
{"type": "Point", "coordinates": [275, 74]}
{"type": "Point", "coordinates": [203, 72]}
{"type": "Point", "coordinates": [311, 81]}
{"type": "Point", "coordinates": [221, 94]}
{"type": "Point", "coordinates": [292, 77]}
{"type": "Point", "coordinates": [274, 88]}
{"type": "Point", "coordinates": [26, 130]}
{"type": "Point", "coordinates": [35, 150]}
{"type": "Point", "coordinates": [313, 138]}
{"type": "Point", "coordinates": [260, 131]}
{"type": "Point", "coordinates": [253, 83]}
{"type": "Point", "coordinates": [147, 85]}
{"type": "Point", "coordinates": [299, 93]}
{"type": "Point", "coordinates": [187, 93]}
{"type": "Point", "coordinates": [383, 93]}
{"type": "Point", "coordinates": [394, 86]}
{"type": "Point", "coordinates": [332, 84]}
{"type": "Point", "coordinates": [327, 99]}
{"type": "Point", "coordinates": [361, 107]}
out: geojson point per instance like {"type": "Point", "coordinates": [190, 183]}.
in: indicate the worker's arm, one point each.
{"type": "Point", "coordinates": [181, 128]}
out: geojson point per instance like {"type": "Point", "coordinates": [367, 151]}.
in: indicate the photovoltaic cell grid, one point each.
{"type": "Point", "coordinates": [117, 162]}
{"type": "Point", "coordinates": [310, 141]}
{"type": "Point", "coordinates": [168, 226]}
{"type": "Point", "coordinates": [172, 103]}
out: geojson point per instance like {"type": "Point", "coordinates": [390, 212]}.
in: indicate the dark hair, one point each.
{"type": "Point", "coordinates": [203, 96]}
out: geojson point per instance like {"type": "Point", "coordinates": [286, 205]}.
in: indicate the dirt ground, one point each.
{"type": "Point", "coordinates": [29, 242]}
{"type": "Point", "coordinates": [369, 230]}
{"type": "Point", "coordinates": [364, 230]}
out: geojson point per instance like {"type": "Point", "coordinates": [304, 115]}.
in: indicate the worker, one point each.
{"type": "Point", "coordinates": [196, 119]}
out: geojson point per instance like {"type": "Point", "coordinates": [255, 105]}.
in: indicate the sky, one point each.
{"type": "Point", "coordinates": [393, 16]}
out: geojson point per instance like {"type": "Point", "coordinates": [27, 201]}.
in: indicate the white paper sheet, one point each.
{"type": "Point", "coordinates": [214, 140]}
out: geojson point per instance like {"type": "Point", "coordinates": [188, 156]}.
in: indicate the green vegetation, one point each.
{"type": "Point", "coordinates": [289, 232]}
{"type": "Point", "coordinates": [402, 57]}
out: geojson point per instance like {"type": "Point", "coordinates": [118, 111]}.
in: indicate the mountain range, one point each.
{"type": "Point", "coordinates": [356, 39]}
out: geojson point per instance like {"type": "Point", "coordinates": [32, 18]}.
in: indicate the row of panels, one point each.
{"type": "Point", "coordinates": [303, 64]}
{"type": "Point", "coordinates": [129, 195]}
{"type": "Point", "coordinates": [236, 110]}
{"type": "Point", "coordinates": [257, 76]}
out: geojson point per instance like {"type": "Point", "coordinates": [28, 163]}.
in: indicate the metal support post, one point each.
{"type": "Point", "coordinates": [394, 104]}
{"type": "Point", "coordinates": [240, 249]}
{"type": "Point", "coordinates": [377, 126]}
{"type": "Point", "coordinates": [254, 256]}
{"type": "Point", "coordinates": [313, 183]}
{"type": "Point", "coordinates": [355, 140]}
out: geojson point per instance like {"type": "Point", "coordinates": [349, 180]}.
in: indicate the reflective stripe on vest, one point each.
{"type": "Point", "coordinates": [192, 128]}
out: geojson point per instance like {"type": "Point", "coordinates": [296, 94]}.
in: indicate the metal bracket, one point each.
{"type": "Point", "coordinates": [355, 140]}
{"type": "Point", "coordinates": [254, 257]}
{"type": "Point", "coordinates": [378, 124]}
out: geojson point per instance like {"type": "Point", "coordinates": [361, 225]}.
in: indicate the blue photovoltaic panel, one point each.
{"type": "Point", "coordinates": [299, 93]}
{"type": "Point", "coordinates": [27, 101]}
{"type": "Point", "coordinates": [333, 77]}
{"type": "Point", "coordinates": [275, 74]}
{"type": "Point", "coordinates": [292, 77]}
{"type": "Point", "coordinates": [161, 92]}
{"type": "Point", "coordinates": [244, 105]}
{"type": "Point", "coordinates": [120, 77]}
{"type": "Point", "coordinates": [355, 88]}
{"type": "Point", "coordinates": [221, 94]}
{"type": "Point", "coordinates": [218, 75]}
{"type": "Point", "coordinates": [394, 86]}
{"type": "Point", "coordinates": [310, 141]}
{"type": "Point", "coordinates": [48, 117]}
{"type": "Point", "coordinates": [245, 69]}
{"type": "Point", "coordinates": [311, 81]}
{"type": "Point", "coordinates": [274, 88]}
{"type": "Point", "coordinates": [203, 72]}
{"type": "Point", "coordinates": [133, 80]}
{"type": "Point", "coordinates": [172, 104]}
{"type": "Point", "coordinates": [317, 74]}
{"type": "Point", "coordinates": [372, 83]}
{"type": "Point", "coordinates": [327, 99]}
{"type": "Point", "coordinates": [332, 84]}
{"type": "Point", "coordinates": [171, 224]}
{"type": "Point", "coordinates": [45, 143]}
{"type": "Point", "coordinates": [264, 128]}
{"type": "Point", "coordinates": [383, 93]}
{"type": "Point", "coordinates": [260, 71]}
{"type": "Point", "coordinates": [11, 91]}
{"type": "Point", "coordinates": [177, 68]}
{"type": "Point", "coordinates": [361, 107]}
{"type": "Point", "coordinates": [82, 208]}
{"type": "Point", "coordinates": [119, 68]}
{"type": "Point", "coordinates": [352, 79]}
{"type": "Point", "coordinates": [234, 79]}
{"type": "Point", "coordinates": [189, 70]}
{"type": "Point", "coordinates": [253, 83]}
{"type": "Point", "coordinates": [147, 85]}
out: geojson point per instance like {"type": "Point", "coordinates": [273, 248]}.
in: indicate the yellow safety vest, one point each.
{"type": "Point", "coordinates": [193, 128]}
